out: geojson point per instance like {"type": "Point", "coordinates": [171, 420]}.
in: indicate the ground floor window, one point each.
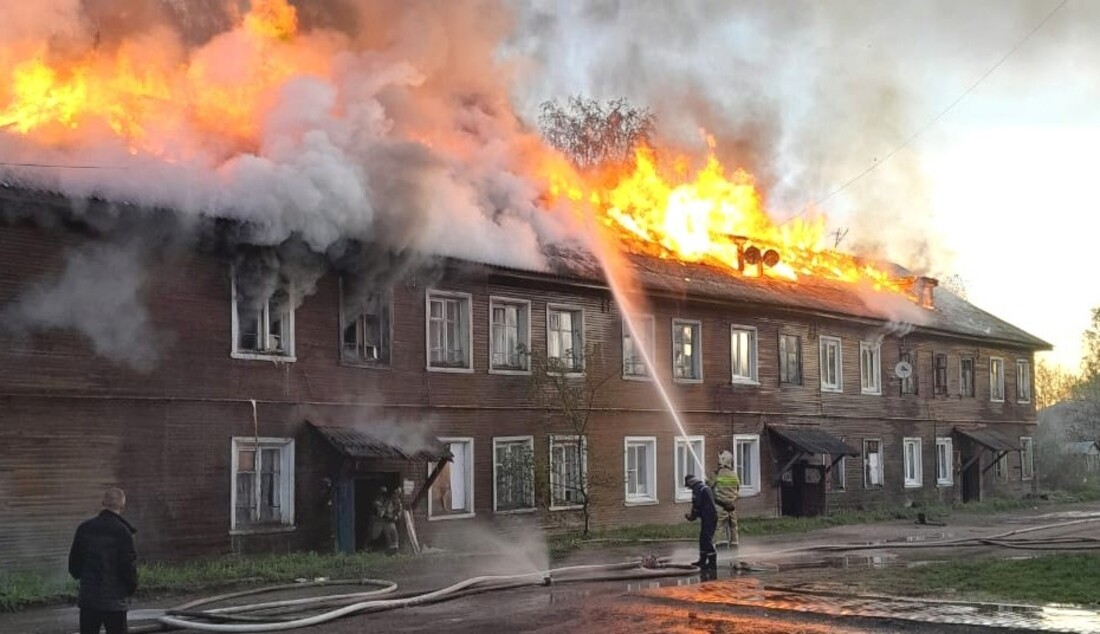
{"type": "Point", "coordinates": [1001, 469]}
{"type": "Point", "coordinates": [452, 493]}
{"type": "Point", "coordinates": [872, 463]}
{"type": "Point", "coordinates": [685, 464]}
{"type": "Point", "coordinates": [263, 483]}
{"type": "Point", "coordinates": [945, 470]}
{"type": "Point", "coordinates": [1027, 458]}
{"type": "Point", "coordinates": [837, 472]}
{"type": "Point", "coordinates": [513, 473]}
{"type": "Point", "coordinates": [641, 469]}
{"type": "Point", "coordinates": [568, 471]}
{"type": "Point", "coordinates": [746, 461]}
{"type": "Point", "coordinates": [912, 461]}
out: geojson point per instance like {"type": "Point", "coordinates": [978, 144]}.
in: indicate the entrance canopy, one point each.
{"type": "Point", "coordinates": [813, 440]}
{"type": "Point", "coordinates": [989, 438]}
{"type": "Point", "coordinates": [355, 443]}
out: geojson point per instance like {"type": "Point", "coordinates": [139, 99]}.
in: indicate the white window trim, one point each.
{"type": "Point", "coordinates": [682, 493]}
{"type": "Point", "coordinates": [572, 308]}
{"type": "Point", "coordinates": [428, 296]}
{"type": "Point", "coordinates": [530, 440]}
{"type": "Point", "coordinates": [877, 369]}
{"type": "Point", "coordinates": [754, 362]}
{"type": "Point", "coordinates": [584, 467]}
{"type": "Point", "coordinates": [526, 304]}
{"type": "Point", "coordinates": [881, 464]}
{"type": "Point", "coordinates": [1002, 383]}
{"type": "Point", "coordinates": [839, 387]}
{"type": "Point", "coordinates": [973, 380]}
{"type": "Point", "coordinates": [1030, 387]}
{"type": "Point", "coordinates": [746, 490]}
{"type": "Point", "coordinates": [697, 344]}
{"type": "Point", "coordinates": [641, 320]}
{"type": "Point", "coordinates": [286, 485]}
{"type": "Point", "coordinates": [236, 353]}
{"type": "Point", "coordinates": [1024, 458]}
{"type": "Point", "coordinates": [949, 452]}
{"type": "Point", "coordinates": [918, 468]}
{"type": "Point", "coordinates": [469, 481]}
{"type": "Point", "coordinates": [651, 462]}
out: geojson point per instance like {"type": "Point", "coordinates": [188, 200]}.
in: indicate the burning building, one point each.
{"type": "Point", "coordinates": [272, 269]}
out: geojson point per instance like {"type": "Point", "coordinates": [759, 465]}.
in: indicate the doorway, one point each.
{"type": "Point", "coordinates": [802, 490]}
{"type": "Point", "coordinates": [972, 480]}
{"type": "Point", "coordinates": [367, 489]}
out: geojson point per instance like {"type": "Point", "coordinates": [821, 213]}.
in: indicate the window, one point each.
{"type": "Point", "coordinates": [743, 354]}
{"type": "Point", "coordinates": [263, 327]}
{"type": "Point", "coordinates": [633, 363]}
{"type": "Point", "coordinates": [939, 377]}
{"type": "Point", "coordinates": [686, 346]}
{"type": "Point", "coordinates": [790, 359]}
{"type": "Point", "coordinates": [945, 470]}
{"type": "Point", "coordinates": [449, 336]}
{"type": "Point", "coordinates": [365, 322]}
{"type": "Point", "coordinates": [1027, 458]}
{"type": "Point", "coordinates": [513, 474]}
{"type": "Point", "coordinates": [1023, 381]}
{"type": "Point", "coordinates": [1001, 466]}
{"type": "Point", "coordinates": [685, 464]}
{"type": "Point", "coordinates": [564, 338]}
{"type": "Point", "coordinates": [568, 471]}
{"type": "Point", "coordinates": [452, 493]}
{"type": "Point", "coordinates": [263, 483]}
{"type": "Point", "coordinates": [996, 379]}
{"type": "Point", "coordinates": [510, 335]}
{"type": "Point", "coordinates": [966, 377]}
{"type": "Point", "coordinates": [911, 448]}
{"type": "Point", "coordinates": [911, 383]}
{"type": "Point", "coordinates": [870, 367]}
{"type": "Point", "coordinates": [872, 463]}
{"type": "Point", "coordinates": [837, 472]}
{"type": "Point", "coordinates": [832, 379]}
{"type": "Point", "coordinates": [746, 461]}
{"type": "Point", "coordinates": [641, 469]}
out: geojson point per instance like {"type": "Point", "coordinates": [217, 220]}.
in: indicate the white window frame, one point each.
{"type": "Point", "coordinates": [530, 441]}
{"type": "Point", "coordinates": [824, 342]}
{"type": "Point", "coordinates": [649, 324]}
{"type": "Point", "coordinates": [740, 439]}
{"type": "Point", "coordinates": [874, 349]}
{"type": "Point", "coordinates": [578, 338]}
{"type": "Point", "coordinates": [1023, 377]}
{"type": "Point", "coordinates": [288, 356]}
{"type": "Point", "coordinates": [467, 299]}
{"type": "Point", "coordinates": [469, 443]}
{"type": "Point", "coordinates": [286, 481]}
{"type": "Point", "coordinates": [1027, 458]}
{"type": "Point", "coordinates": [962, 378]}
{"type": "Point", "coordinates": [996, 381]}
{"type": "Point", "coordinates": [867, 483]}
{"type": "Point", "coordinates": [386, 331]}
{"type": "Point", "coordinates": [917, 480]}
{"type": "Point", "coordinates": [572, 439]}
{"type": "Point", "coordinates": [697, 350]}
{"type": "Point", "coordinates": [523, 329]}
{"type": "Point", "coordinates": [753, 378]}
{"type": "Point", "coordinates": [683, 494]}
{"type": "Point", "coordinates": [945, 466]}
{"type": "Point", "coordinates": [650, 497]}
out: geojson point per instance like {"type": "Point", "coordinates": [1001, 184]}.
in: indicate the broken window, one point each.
{"type": "Point", "coordinates": [449, 331]}
{"type": "Point", "coordinates": [910, 384]}
{"type": "Point", "coordinates": [365, 322]}
{"type": "Point", "coordinates": [686, 341]}
{"type": "Point", "coordinates": [452, 493]}
{"type": "Point", "coordinates": [568, 471]}
{"type": "Point", "coordinates": [510, 333]}
{"type": "Point", "coordinates": [1027, 458]}
{"type": "Point", "coordinates": [790, 359]}
{"type": "Point", "coordinates": [641, 468]}
{"type": "Point", "coordinates": [996, 379]}
{"type": "Point", "coordinates": [832, 379]}
{"type": "Point", "coordinates": [870, 367]}
{"type": "Point", "coordinates": [743, 354]}
{"type": "Point", "coordinates": [513, 474]}
{"type": "Point", "coordinates": [872, 463]}
{"type": "Point", "coordinates": [263, 483]}
{"type": "Point", "coordinates": [746, 462]}
{"type": "Point", "coordinates": [263, 319]}
{"type": "Point", "coordinates": [633, 362]}
{"type": "Point", "coordinates": [939, 377]}
{"type": "Point", "coordinates": [944, 456]}
{"type": "Point", "coordinates": [913, 463]}
{"type": "Point", "coordinates": [685, 464]}
{"type": "Point", "coordinates": [966, 377]}
{"type": "Point", "coordinates": [564, 338]}
{"type": "Point", "coordinates": [1023, 381]}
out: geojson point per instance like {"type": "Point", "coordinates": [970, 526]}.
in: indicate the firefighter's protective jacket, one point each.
{"type": "Point", "coordinates": [726, 487]}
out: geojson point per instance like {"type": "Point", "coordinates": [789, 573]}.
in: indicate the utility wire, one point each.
{"type": "Point", "coordinates": [62, 166]}
{"type": "Point", "coordinates": [936, 118]}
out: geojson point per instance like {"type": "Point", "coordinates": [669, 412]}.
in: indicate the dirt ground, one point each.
{"type": "Point", "coordinates": [761, 588]}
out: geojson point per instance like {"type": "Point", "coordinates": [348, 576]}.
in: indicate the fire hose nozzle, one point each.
{"type": "Point", "coordinates": [547, 581]}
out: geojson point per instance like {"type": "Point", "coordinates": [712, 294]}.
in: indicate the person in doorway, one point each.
{"type": "Point", "coordinates": [387, 511]}
{"type": "Point", "coordinates": [104, 560]}
{"type": "Point", "coordinates": [727, 488]}
{"type": "Point", "coordinates": [703, 509]}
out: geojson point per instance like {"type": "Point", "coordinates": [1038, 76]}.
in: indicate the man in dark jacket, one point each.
{"type": "Point", "coordinates": [103, 558]}
{"type": "Point", "coordinates": [703, 509]}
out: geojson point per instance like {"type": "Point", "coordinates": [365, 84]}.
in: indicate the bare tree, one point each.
{"type": "Point", "coordinates": [593, 134]}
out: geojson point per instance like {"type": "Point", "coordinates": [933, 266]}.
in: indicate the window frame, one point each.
{"type": "Point", "coordinates": [876, 370]}
{"type": "Point", "coordinates": [386, 297]}
{"type": "Point", "coordinates": [823, 342]}
{"type": "Point", "coordinates": [1027, 458]}
{"type": "Point", "coordinates": [949, 467]}
{"type": "Point", "coordinates": [469, 441]}
{"type": "Point", "coordinates": [963, 383]}
{"type": "Point", "coordinates": [697, 350]}
{"type": "Point", "coordinates": [999, 383]}
{"type": "Point", "coordinates": [840, 467]}
{"type": "Point", "coordinates": [652, 347]}
{"type": "Point", "coordinates": [682, 493]}
{"type": "Point", "coordinates": [235, 351]}
{"type": "Point", "coordinates": [784, 362]}
{"type": "Point", "coordinates": [286, 448]}
{"type": "Point", "coordinates": [748, 490]}
{"type": "Point", "coordinates": [523, 332]}
{"type": "Point", "coordinates": [570, 438]}
{"type": "Point", "coordinates": [867, 484]}
{"type": "Point", "coordinates": [650, 442]}
{"type": "Point", "coordinates": [1025, 365]}
{"type": "Point", "coordinates": [530, 442]}
{"type": "Point", "coordinates": [578, 369]}
{"type": "Point", "coordinates": [467, 298]}
{"type": "Point", "coordinates": [917, 481]}
{"type": "Point", "coordinates": [754, 356]}
{"type": "Point", "coordinates": [909, 386]}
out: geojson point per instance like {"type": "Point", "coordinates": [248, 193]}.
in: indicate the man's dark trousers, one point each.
{"type": "Point", "coordinates": [92, 620]}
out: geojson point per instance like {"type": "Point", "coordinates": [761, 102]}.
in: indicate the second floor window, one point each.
{"type": "Point", "coordinates": [790, 359]}
{"type": "Point", "coordinates": [510, 335]}
{"type": "Point", "coordinates": [365, 321]}
{"type": "Point", "coordinates": [633, 363]}
{"type": "Point", "coordinates": [909, 384]}
{"type": "Point", "coordinates": [449, 331]}
{"type": "Point", "coordinates": [870, 367]}
{"type": "Point", "coordinates": [263, 327]}
{"type": "Point", "coordinates": [939, 378]}
{"type": "Point", "coordinates": [1023, 381]}
{"type": "Point", "coordinates": [686, 364]}
{"type": "Point", "coordinates": [996, 379]}
{"type": "Point", "coordinates": [564, 338]}
{"type": "Point", "coordinates": [966, 377]}
{"type": "Point", "coordinates": [832, 379]}
{"type": "Point", "coordinates": [743, 354]}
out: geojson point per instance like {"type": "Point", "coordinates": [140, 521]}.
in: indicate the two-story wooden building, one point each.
{"type": "Point", "coordinates": [272, 423]}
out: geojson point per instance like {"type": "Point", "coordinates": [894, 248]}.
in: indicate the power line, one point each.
{"type": "Point", "coordinates": [62, 166]}
{"type": "Point", "coordinates": [936, 118]}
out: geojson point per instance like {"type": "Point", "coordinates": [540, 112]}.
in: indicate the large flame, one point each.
{"type": "Point", "coordinates": [711, 216]}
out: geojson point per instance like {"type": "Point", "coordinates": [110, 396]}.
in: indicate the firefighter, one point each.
{"type": "Point", "coordinates": [703, 509]}
{"type": "Point", "coordinates": [726, 487]}
{"type": "Point", "coordinates": [387, 510]}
